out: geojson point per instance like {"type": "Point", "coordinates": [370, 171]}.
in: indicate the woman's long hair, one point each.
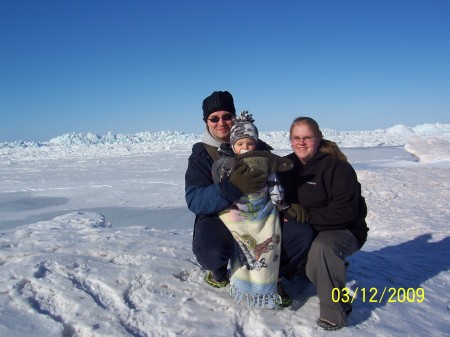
{"type": "Point", "coordinates": [326, 146]}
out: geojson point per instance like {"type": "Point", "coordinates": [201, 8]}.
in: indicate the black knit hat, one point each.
{"type": "Point", "coordinates": [218, 101]}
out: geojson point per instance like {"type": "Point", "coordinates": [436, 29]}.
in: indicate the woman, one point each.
{"type": "Point", "coordinates": [324, 192]}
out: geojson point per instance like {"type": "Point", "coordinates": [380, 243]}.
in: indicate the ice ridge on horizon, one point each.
{"type": "Point", "coordinates": [397, 135]}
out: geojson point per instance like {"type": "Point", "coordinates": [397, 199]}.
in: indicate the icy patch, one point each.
{"type": "Point", "coordinates": [429, 150]}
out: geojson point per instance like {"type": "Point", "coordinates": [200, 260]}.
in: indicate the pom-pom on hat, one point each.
{"type": "Point", "coordinates": [218, 101]}
{"type": "Point", "coordinates": [243, 128]}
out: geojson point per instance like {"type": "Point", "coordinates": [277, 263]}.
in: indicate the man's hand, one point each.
{"type": "Point", "coordinates": [246, 180]}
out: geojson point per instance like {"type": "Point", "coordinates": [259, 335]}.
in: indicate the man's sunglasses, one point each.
{"type": "Point", "coordinates": [226, 117]}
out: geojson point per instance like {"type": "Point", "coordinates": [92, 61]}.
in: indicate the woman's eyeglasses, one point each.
{"type": "Point", "coordinates": [226, 117]}
{"type": "Point", "coordinates": [306, 139]}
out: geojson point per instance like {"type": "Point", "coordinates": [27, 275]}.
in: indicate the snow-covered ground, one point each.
{"type": "Point", "coordinates": [95, 240]}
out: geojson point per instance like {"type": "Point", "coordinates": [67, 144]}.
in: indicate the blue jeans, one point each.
{"type": "Point", "coordinates": [213, 246]}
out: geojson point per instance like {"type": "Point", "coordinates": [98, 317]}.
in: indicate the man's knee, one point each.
{"type": "Point", "coordinates": [212, 242]}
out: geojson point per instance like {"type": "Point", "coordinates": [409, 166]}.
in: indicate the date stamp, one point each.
{"type": "Point", "coordinates": [376, 295]}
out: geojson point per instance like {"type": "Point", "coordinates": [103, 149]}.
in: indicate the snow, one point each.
{"type": "Point", "coordinates": [95, 240]}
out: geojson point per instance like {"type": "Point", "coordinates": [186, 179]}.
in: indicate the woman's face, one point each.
{"type": "Point", "coordinates": [221, 128]}
{"type": "Point", "coordinates": [304, 142]}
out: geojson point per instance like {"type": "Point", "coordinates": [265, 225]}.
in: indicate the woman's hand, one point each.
{"type": "Point", "coordinates": [297, 213]}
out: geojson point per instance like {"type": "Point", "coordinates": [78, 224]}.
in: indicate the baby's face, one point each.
{"type": "Point", "coordinates": [244, 145]}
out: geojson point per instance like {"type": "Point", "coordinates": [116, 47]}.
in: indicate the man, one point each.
{"type": "Point", "coordinates": [213, 244]}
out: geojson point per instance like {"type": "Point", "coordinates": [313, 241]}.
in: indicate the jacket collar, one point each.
{"type": "Point", "coordinates": [318, 156]}
{"type": "Point", "coordinates": [209, 139]}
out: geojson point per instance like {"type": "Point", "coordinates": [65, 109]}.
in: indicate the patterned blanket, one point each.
{"type": "Point", "coordinates": [254, 222]}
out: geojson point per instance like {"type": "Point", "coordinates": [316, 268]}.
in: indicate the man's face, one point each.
{"type": "Point", "coordinates": [219, 125]}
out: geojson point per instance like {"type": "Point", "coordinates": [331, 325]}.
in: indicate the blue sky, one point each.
{"type": "Point", "coordinates": [131, 66]}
